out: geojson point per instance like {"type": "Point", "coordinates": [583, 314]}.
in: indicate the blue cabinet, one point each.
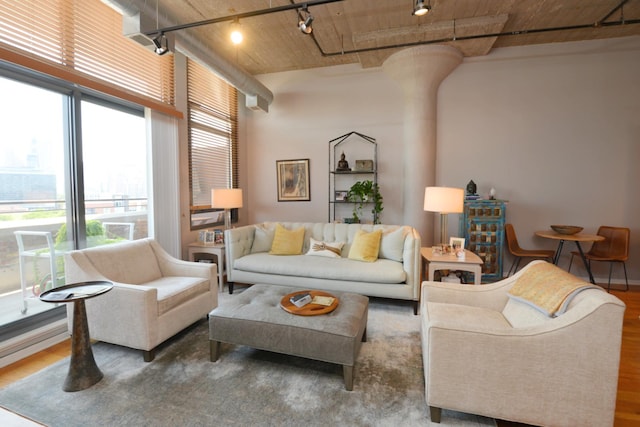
{"type": "Point", "coordinates": [482, 224]}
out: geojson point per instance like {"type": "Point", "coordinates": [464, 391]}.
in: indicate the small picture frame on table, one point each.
{"type": "Point", "coordinates": [456, 242]}
{"type": "Point", "coordinates": [219, 237]}
{"type": "Point", "coordinates": [209, 238]}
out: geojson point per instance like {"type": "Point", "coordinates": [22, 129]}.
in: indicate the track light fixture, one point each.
{"type": "Point", "coordinates": [421, 9]}
{"type": "Point", "coordinates": [236, 34]}
{"type": "Point", "coordinates": [305, 24]}
{"type": "Point", "coordinates": [161, 45]}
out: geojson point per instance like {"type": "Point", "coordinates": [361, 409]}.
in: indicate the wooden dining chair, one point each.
{"type": "Point", "coordinates": [614, 248]}
{"type": "Point", "coordinates": [519, 253]}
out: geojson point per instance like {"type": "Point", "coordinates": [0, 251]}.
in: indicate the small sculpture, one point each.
{"type": "Point", "coordinates": [343, 165]}
{"type": "Point", "coordinates": [471, 188]}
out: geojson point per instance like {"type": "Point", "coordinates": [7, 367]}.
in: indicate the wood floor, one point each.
{"type": "Point", "coordinates": [628, 402]}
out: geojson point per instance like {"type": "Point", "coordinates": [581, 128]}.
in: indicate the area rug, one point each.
{"type": "Point", "coordinates": [245, 387]}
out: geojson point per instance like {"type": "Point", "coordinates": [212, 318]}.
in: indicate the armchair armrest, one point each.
{"type": "Point", "coordinates": [238, 243]}
{"type": "Point", "coordinates": [170, 266]}
{"type": "Point", "coordinates": [133, 305]}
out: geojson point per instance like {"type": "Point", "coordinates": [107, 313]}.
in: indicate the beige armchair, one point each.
{"type": "Point", "coordinates": [154, 296]}
{"type": "Point", "coordinates": [489, 354]}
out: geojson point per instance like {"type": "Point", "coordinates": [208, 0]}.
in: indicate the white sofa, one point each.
{"type": "Point", "coordinates": [395, 274]}
{"type": "Point", "coordinates": [491, 354]}
{"type": "Point", "coordinates": [154, 296]}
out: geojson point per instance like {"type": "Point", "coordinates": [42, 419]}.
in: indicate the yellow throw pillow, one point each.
{"type": "Point", "coordinates": [287, 242]}
{"type": "Point", "coordinates": [365, 246]}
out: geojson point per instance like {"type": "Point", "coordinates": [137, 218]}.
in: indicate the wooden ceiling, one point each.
{"type": "Point", "coordinates": [369, 31]}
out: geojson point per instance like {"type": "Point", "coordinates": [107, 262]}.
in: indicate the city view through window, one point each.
{"type": "Point", "coordinates": [36, 163]}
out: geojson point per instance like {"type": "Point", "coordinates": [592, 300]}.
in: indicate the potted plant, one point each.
{"type": "Point", "coordinates": [362, 192]}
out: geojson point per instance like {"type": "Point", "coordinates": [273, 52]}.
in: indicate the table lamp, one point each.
{"type": "Point", "coordinates": [227, 199]}
{"type": "Point", "coordinates": [444, 200]}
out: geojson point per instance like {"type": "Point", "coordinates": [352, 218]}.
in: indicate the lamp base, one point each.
{"type": "Point", "coordinates": [444, 227]}
{"type": "Point", "coordinates": [227, 219]}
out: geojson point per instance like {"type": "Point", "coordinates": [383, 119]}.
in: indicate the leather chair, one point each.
{"type": "Point", "coordinates": [614, 248]}
{"type": "Point", "coordinates": [518, 253]}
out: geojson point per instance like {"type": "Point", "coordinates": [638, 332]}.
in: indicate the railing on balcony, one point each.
{"type": "Point", "coordinates": [125, 218]}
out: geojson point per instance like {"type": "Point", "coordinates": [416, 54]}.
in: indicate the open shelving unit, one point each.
{"type": "Point", "coordinates": [361, 151]}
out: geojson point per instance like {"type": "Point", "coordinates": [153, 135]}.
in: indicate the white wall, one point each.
{"type": "Point", "coordinates": [310, 109]}
{"type": "Point", "coordinates": [554, 128]}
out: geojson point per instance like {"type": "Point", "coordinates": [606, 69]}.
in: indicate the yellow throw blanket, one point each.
{"type": "Point", "coordinates": [548, 288]}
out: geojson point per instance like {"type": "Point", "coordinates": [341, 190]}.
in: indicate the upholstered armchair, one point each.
{"type": "Point", "coordinates": [154, 296]}
{"type": "Point", "coordinates": [488, 350]}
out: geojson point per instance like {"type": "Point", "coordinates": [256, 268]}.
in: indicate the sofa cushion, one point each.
{"type": "Point", "coordinates": [131, 262]}
{"type": "Point", "coordinates": [175, 290]}
{"type": "Point", "coordinates": [380, 271]}
{"type": "Point", "coordinates": [464, 317]}
{"type": "Point", "coordinates": [392, 244]}
{"type": "Point", "coordinates": [287, 242]}
{"type": "Point", "coordinates": [263, 238]}
{"type": "Point", "coordinates": [521, 315]}
{"type": "Point", "coordinates": [365, 246]}
{"type": "Point", "coordinates": [325, 249]}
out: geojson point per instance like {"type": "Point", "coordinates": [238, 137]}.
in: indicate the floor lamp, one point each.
{"type": "Point", "coordinates": [227, 199]}
{"type": "Point", "coordinates": [444, 200]}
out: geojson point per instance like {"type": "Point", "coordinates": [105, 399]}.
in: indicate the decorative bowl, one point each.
{"type": "Point", "coordinates": [566, 229]}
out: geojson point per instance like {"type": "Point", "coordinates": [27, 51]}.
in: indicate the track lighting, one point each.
{"type": "Point", "coordinates": [161, 45]}
{"type": "Point", "coordinates": [236, 34]}
{"type": "Point", "coordinates": [305, 24]}
{"type": "Point", "coordinates": [421, 9]}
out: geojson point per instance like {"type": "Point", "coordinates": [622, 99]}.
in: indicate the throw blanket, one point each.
{"type": "Point", "coordinates": [548, 288]}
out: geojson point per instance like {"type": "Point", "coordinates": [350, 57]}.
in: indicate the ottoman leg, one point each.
{"type": "Point", "coordinates": [347, 372]}
{"type": "Point", "coordinates": [214, 350]}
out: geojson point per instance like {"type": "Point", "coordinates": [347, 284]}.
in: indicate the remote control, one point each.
{"type": "Point", "coordinates": [300, 300]}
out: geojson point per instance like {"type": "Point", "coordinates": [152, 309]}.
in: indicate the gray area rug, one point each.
{"type": "Point", "coordinates": [245, 387]}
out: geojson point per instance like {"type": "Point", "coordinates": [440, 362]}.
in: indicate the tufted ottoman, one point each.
{"type": "Point", "coordinates": [254, 318]}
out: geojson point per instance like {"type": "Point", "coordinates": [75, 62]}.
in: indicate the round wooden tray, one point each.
{"type": "Point", "coordinates": [308, 309]}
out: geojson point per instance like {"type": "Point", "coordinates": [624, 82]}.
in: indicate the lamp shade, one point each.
{"type": "Point", "coordinates": [443, 199]}
{"type": "Point", "coordinates": [226, 198]}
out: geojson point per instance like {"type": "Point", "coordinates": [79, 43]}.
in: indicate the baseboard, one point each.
{"type": "Point", "coordinates": [32, 342]}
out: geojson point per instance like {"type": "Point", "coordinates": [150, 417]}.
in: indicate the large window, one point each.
{"type": "Point", "coordinates": [213, 142]}
{"type": "Point", "coordinates": [70, 177]}
{"type": "Point", "coordinates": [72, 144]}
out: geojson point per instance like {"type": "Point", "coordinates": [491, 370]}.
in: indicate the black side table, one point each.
{"type": "Point", "coordinates": [83, 371]}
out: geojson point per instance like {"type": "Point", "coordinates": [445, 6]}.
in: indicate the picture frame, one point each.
{"type": "Point", "coordinates": [219, 237]}
{"type": "Point", "coordinates": [209, 238]}
{"type": "Point", "coordinates": [341, 195]}
{"type": "Point", "coordinates": [456, 241]}
{"type": "Point", "coordinates": [293, 180]}
{"type": "Point", "coordinates": [364, 166]}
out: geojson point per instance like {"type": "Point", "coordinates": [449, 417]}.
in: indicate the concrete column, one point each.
{"type": "Point", "coordinates": [419, 71]}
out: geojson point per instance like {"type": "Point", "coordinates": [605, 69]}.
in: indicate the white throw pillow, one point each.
{"type": "Point", "coordinates": [262, 238]}
{"type": "Point", "coordinates": [329, 250]}
{"type": "Point", "coordinates": [392, 244]}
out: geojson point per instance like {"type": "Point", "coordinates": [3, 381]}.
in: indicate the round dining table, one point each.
{"type": "Point", "coordinates": [577, 238]}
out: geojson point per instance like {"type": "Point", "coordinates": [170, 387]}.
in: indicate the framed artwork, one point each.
{"type": "Point", "coordinates": [219, 237]}
{"type": "Point", "coordinates": [341, 196]}
{"type": "Point", "coordinates": [293, 180]}
{"type": "Point", "coordinates": [456, 241]}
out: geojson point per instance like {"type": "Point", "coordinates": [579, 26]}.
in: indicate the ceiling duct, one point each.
{"type": "Point", "coordinates": [139, 17]}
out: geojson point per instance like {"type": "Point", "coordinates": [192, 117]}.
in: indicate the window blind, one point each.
{"type": "Point", "coordinates": [213, 134]}
{"type": "Point", "coordinates": [82, 42]}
